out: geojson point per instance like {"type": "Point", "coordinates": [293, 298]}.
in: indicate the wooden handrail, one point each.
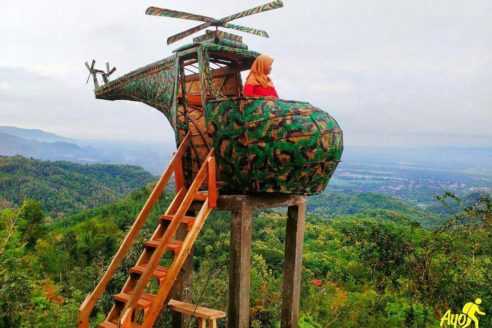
{"type": "Point", "coordinates": [173, 271]}
{"type": "Point", "coordinates": [90, 301]}
{"type": "Point", "coordinates": [179, 175]}
{"type": "Point", "coordinates": [125, 320]}
{"type": "Point", "coordinates": [212, 182]}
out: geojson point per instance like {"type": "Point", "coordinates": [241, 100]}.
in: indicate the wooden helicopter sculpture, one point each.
{"type": "Point", "coordinates": [243, 144]}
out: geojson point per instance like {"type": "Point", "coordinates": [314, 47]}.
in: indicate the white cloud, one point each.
{"type": "Point", "coordinates": [4, 85]}
{"type": "Point", "coordinates": [414, 71]}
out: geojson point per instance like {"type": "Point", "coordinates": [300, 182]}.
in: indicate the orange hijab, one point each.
{"type": "Point", "coordinates": [259, 72]}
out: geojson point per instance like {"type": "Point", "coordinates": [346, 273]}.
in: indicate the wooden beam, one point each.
{"type": "Point", "coordinates": [222, 61]}
{"type": "Point", "coordinates": [212, 185]}
{"type": "Point", "coordinates": [240, 266]}
{"type": "Point", "coordinates": [189, 61]}
{"type": "Point", "coordinates": [183, 286]}
{"type": "Point", "coordinates": [257, 202]}
{"type": "Point", "coordinates": [294, 240]}
{"type": "Point", "coordinates": [220, 72]}
{"type": "Point", "coordinates": [195, 310]}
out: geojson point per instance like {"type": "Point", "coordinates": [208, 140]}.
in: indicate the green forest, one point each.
{"type": "Point", "coordinates": [63, 187]}
{"type": "Point", "coordinates": [369, 260]}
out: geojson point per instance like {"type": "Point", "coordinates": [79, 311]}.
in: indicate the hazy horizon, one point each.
{"type": "Point", "coordinates": [170, 143]}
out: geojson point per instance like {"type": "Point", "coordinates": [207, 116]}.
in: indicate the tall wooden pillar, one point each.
{"type": "Point", "coordinates": [240, 266]}
{"type": "Point", "coordinates": [294, 241]}
{"type": "Point", "coordinates": [242, 208]}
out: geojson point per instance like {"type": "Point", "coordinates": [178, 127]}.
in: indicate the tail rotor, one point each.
{"type": "Point", "coordinates": [94, 71]}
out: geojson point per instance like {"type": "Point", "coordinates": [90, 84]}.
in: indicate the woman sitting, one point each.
{"type": "Point", "coordinates": [258, 83]}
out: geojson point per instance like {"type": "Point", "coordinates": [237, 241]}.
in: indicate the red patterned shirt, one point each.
{"type": "Point", "coordinates": [259, 91]}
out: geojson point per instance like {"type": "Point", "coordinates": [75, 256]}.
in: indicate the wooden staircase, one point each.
{"type": "Point", "coordinates": [135, 306]}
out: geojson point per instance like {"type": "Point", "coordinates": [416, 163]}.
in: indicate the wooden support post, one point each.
{"type": "Point", "coordinates": [240, 248]}
{"type": "Point", "coordinates": [182, 289]}
{"type": "Point", "coordinates": [294, 240]}
{"type": "Point", "coordinates": [242, 207]}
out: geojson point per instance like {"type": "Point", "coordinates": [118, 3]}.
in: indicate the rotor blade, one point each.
{"type": "Point", "coordinates": [154, 11]}
{"type": "Point", "coordinates": [190, 31]}
{"type": "Point", "coordinates": [256, 10]}
{"type": "Point", "coordinates": [107, 67]}
{"type": "Point", "coordinates": [90, 72]}
{"type": "Point", "coordinates": [93, 63]}
{"type": "Point", "coordinates": [247, 30]}
{"type": "Point", "coordinates": [111, 71]}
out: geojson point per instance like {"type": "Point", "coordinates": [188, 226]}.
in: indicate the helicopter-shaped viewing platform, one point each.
{"type": "Point", "coordinates": [234, 153]}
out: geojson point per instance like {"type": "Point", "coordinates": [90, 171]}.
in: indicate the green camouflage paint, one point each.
{"type": "Point", "coordinates": [209, 34]}
{"type": "Point", "coordinates": [205, 76]}
{"type": "Point", "coordinates": [154, 11]}
{"type": "Point", "coordinates": [153, 85]}
{"type": "Point", "coordinates": [209, 21]}
{"type": "Point", "coordinates": [256, 10]}
{"type": "Point", "coordinates": [230, 43]}
{"type": "Point", "coordinates": [273, 145]}
{"type": "Point", "coordinates": [187, 49]}
{"type": "Point", "coordinates": [243, 53]}
{"type": "Point", "coordinates": [247, 30]}
{"type": "Point", "coordinates": [262, 144]}
{"type": "Point", "coordinates": [188, 32]}
{"type": "Point", "coordinates": [225, 42]}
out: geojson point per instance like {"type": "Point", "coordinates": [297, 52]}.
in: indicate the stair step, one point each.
{"type": "Point", "coordinates": [174, 245]}
{"type": "Point", "coordinates": [188, 220]}
{"type": "Point", "coordinates": [200, 196]}
{"type": "Point", "coordinates": [144, 302]}
{"type": "Point", "coordinates": [159, 273]}
{"type": "Point", "coordinates": [109, 324]}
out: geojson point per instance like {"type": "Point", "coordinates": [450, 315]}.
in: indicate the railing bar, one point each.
{"type": "Point", "coordinates": [90, 301]}
{"type": "Point", "coordinates": [212, 187]}
{"type": "Point", "coordinates": [158, 252]}
{"type": "Point", "coordinates": [157, 304]}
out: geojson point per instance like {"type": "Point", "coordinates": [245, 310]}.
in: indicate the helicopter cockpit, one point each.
{"type": "Point", "coordinates": [209, 70]}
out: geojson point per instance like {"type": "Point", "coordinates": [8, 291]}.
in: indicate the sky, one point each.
{"type": "Point", "coordinates": [412, 73]}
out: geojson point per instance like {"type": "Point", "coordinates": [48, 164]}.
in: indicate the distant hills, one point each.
{"type": "Point", "coordinates": [153, 156]}
{"type": "Point", "coordinates": [471, 159]}
{"type": "Point", "coordinates": [414, 175]}
{"type": "Point", "coordinates": [11, 145]}
{"type": "Point", "coordinates": [34, 134]}
{"type": "Point", "coordinates": [65, 188]}
{"type": "Point", "coordinates": [49, 146]}
{"type": "Point", "coordinates": [331, 204]}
